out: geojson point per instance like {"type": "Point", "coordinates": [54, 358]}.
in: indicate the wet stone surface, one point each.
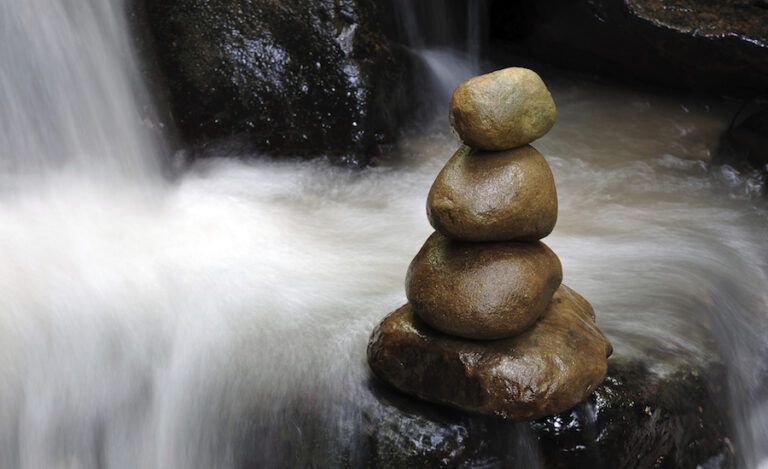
{"type": "Point", "coordinates": [494, 196]}
{"type": "Point", "coordinates": [454, 287]}
{"type": "Point", "coordinates": [635, 419]}
{"type": "Point", "coordinates": [698, 44]}
{"type": "Point", "coordinates": [551, 367]}
{"type": "Point", "coordinates": [289, 78]}
{"type": "Point", "coordinates": [502, 110]}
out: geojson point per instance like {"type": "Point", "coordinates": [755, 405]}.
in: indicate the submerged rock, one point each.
{"type": "Point", "coordinates": [482, 290]}
{"type": "Point", "coordinates": [501, 196]}
{"type": "Point", "coordinates": [502, 110]}
{"type": "Point", "coordinates": [548, 369]}
{"type": "Point", "coordinates": [303, 77]}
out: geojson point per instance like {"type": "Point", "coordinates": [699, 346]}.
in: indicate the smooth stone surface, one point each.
{"type": "Point", "coordinates": [500, 196]}
{"type": "Point", "coordinates": [482, 290]}
{"type": "Point", "coordinates": [550, 368]}
{"type": "Point", "coordinates": [502, 110]}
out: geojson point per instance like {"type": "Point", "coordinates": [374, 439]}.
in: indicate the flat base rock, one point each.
{"type": "Point", "coordinates": [548, 369]}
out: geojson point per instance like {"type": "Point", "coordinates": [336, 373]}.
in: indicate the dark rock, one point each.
{"type": "Point", "coordinates": [482, 290]}
{"type": "Point", "coordinates": [154, 113]}
{"type": "Point", "coordinates": [747, 139]}
{"type": "Point", "coordinates": [696, 44]}
{"type": "Point", "coordinates": [304, 77]}
{"type": "Point", "coordinates": [548, 369]}
{"type": "Point", "coordinates": [502, 110]}
{"type": "Point", "coordinates": [501, 196]}
{"type": "Point", "coordinates": [635, 419]}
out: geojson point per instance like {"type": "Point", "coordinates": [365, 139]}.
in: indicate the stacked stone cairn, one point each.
{"type": "Point", "coordinates": [488, 327]}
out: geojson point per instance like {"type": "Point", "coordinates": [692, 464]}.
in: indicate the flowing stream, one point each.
{"type": "Point", "coordinates": [220, 319]}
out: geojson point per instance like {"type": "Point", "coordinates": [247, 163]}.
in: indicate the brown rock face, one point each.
{"type": "Point", "coordinates": [548, 369]}
{"type": "Point", "coordinates": [502, 110]}
{"type": "Point", "coordinates": [482, 290]}
{"type": "Point", "coordinates": [500, 196]}
{"type": "Point", "coordinates": [706, 45]}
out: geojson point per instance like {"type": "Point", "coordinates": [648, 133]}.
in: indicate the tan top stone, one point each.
{"type": "Point", "coordinates": [502, 110]}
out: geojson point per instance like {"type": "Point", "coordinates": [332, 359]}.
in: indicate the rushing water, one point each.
{"type": "Point", "coordinates": [68, 89]}
{"type": "Point", "coordinates": [221, 319]}
{"type": "Point", "coordinates": [448, 36]}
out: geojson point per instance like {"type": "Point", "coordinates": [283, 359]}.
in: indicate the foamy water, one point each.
{"type": "Point", "coordinates": [154, 326]}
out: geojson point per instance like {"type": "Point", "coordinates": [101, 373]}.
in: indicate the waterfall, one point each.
{"type": "Point", "coordinates": [448, 36]}
{"type": "Point", "coordinates": [477, 31]}
{"type": "Point", "coordinates": [70, 92]}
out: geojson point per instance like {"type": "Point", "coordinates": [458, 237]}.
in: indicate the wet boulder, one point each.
{"type": "Point", "coordinates": [502, 110]}
{"type": "Point", "coordinates": [635, 419]}
{"type": "Point", "coordinates": [500, 196]}
{"type": "Point", "coordinates": [292, 78]}
{"type": "Point", "coordinates": [695, 44]}
{"type": "Point", "coordinates": [551, 367]}
{"type": "Point", "coordinates": [482, 290]}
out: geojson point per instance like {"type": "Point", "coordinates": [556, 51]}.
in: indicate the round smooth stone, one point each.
{"type": "Point", "coordinates": [482, 290]}
{"type": "Point", "coordinates": [501, 196]}
{"type": "Point", "coordinates": [550, 368]}
{"type": "Point", "coordinates": [502, 110]}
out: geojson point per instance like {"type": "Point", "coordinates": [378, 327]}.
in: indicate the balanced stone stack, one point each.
{"type": "Point", "coordinates": [488, 326]}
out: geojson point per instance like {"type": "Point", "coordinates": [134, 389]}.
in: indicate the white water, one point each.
{"type": "Point", "coordinates": [449, 37]}
{"type": "Point", "coordinates": [184, 324]}
{"type": "Point", "coordinates": [68, 90]}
